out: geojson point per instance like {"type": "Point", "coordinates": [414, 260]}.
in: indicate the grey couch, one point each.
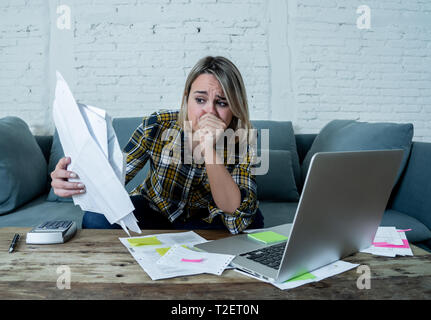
{"type": "Point", "coordinates": [407, 208]}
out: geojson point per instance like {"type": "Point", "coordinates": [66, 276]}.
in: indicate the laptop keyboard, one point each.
{"type": "Point", "coordinates": [270, 256]}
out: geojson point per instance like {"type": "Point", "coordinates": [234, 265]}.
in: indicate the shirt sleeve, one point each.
{"type": "Point", "coordinates": [244, 215]}
{"type": "Point", "coordinates": [139, 145]}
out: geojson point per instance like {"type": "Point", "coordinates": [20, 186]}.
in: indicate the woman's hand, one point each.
{"type": "Point", "coordinates": [210, 129]}
{"type": "Point", "coordinates": [59, 176]}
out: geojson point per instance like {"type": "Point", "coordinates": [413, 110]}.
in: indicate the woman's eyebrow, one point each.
{"type": "Point", "coordinates": [201, 92]}
{"type": "Point", "coordinates": [206, 93]}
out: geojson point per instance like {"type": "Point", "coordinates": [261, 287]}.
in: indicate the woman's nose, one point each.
{"type": "Point", "coordinates": [210, 108]}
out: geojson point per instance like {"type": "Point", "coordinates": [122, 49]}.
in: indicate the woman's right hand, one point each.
{"type": "Point", "coordinates": [59, 176]}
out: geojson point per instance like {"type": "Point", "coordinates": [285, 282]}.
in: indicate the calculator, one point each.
{"type": "Point", "coordinates": [52, 232]}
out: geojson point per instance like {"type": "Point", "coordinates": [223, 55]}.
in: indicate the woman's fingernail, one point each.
{"type": "Point", "coordinates": [72, 175]}
{"type": "Point", "coordinates": [82, 191]}
{"type": "Point", "coordinates": [80, 185]}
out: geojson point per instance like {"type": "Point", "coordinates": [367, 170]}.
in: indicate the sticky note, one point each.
{"type": "Point", "coordinates": [305, 276]}
{"type": "Point", "coordinates": [192, 260]}
{"type": "Point", "coordinates": [148, 241]}
{"type": "Point", "coordinates": [388, 245]}
{"type": "Point", "coordinates": [162, 251]}
{"type": "Point", "coordinates": [267, 237]}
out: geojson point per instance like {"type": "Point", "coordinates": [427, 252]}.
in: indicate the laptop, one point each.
{"type": "Point", "coordinates": [343, 200]}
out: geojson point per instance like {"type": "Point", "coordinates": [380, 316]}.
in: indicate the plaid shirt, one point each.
{"type": "Point", "coordinates": [175, 188]}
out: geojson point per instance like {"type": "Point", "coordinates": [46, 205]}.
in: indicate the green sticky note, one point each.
{"type": "Point", "coordinates": [267, 237]}
{"type": "Point", "coordinates": [305, 276]}
{"type": "Point", "coordinates": [148, 241]}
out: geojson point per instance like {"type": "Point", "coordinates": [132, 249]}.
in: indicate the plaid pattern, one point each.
{"type": "Point", "coordinates": [175, 188]}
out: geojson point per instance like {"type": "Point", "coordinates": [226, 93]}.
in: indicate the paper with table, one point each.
{"type": "Point", "coordinates": [332, 269]}
{"type": "Point", "coordinates": [88, 138]}
{"type": "Point", "coordinates": [148, 250]}
{"type": "Point", "coordinates": [390, 242]}
{"type": "Point", "coordinates": [171, 255]}
{"type": "Point", "coordinates": [324, 272]}
{"type": "Point", "coordinates": [202, 262]}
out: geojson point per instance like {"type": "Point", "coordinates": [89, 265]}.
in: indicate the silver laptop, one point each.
{"type": "Point", "coordinates": [341, 206]}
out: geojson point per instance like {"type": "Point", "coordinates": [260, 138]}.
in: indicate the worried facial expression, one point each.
{"type": "Point", "coordinates": [207, 96]}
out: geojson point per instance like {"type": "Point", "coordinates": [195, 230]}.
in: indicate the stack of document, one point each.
{"type": "Point", "coordinates": [390, 242]}
{"type": "Point", "coordinates": [169, 255]}
{"type": "Point", "coordinates": [324, 272]}
{"type": "Point", "coordinates": [88, 138]}
{"type": "Point", "coordinates": [202, 262]}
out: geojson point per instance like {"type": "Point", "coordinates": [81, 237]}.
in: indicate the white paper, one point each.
{"type": "Point", "coordinates": [181, 257]}
{"type": "Point", "coordinates": [404, 251]}
{"type": "Point", "coordinates": [379, 251]}
{"type": "Point", "coordinates": [393, 237]}
{"type": "Point", "coordinates": [147, 256]}
{"type": "Point", "coordinates": [87, 137]}
{"type": "Point", "coordinates": [389, 235]}
{"type": "Point", "coordinates": [327, 271]}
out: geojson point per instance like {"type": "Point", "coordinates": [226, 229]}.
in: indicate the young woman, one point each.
{"type": "Point", "coordinates": [208, 192]}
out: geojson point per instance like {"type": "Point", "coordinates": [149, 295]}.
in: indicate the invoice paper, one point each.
{"type": "Point", "coordinates": [389, 242]}
{"type": "Point", "coordinates": [88, 138]}
{"type": "Point", "coordinates": [199, 261]}
{"type": "Point", "coordinates": [149, 249]}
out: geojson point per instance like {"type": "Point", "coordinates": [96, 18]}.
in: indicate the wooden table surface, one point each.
{"type": "Point", "coordinates": [102, 268]}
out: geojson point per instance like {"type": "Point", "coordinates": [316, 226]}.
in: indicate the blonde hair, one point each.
{"type": "Point", "coordinates": [232, 84]}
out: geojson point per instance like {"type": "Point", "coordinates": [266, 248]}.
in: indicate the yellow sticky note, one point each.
{"type": "Point", "coordinates": [162, 251]}
{"type": "Point", "coordinates": [147, 241]}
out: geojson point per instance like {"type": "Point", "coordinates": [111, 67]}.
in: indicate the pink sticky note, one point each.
{"type": "Point", "coordinates": [388, 245]}
{"type": "Point", "coordinates": [405, 230]}
{"type": "Point", "coordinates": [192, 260]}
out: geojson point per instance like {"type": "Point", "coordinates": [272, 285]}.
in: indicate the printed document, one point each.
{"type": "Point", "coordinates": [201, 262]}
{"type": "Point", "coordinates": [390, 242]}
{"type": "Point", "coordinates": [149, 249]}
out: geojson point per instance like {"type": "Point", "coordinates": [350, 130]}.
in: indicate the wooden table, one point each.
{"type": "Point", "coordinates": [102, 268]}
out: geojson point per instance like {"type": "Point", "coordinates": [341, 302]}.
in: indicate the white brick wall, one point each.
{"type": "Point", "coordinates": [302, 60]}
{"type": "Point", "coordinates": [380, 74]}
{"type": "Point", "coordinates": [134, 58]}
{"type": "Point", "coordinates": [24, 38]}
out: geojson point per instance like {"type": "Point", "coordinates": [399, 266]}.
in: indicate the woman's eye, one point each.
{"type": "Point", "coordinates": [199, 100]}
{"type": "Point", "coordinates": [222, 104]}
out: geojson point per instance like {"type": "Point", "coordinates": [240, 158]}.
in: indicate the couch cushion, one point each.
{"type": "Point", "coordinates": [400, 220]}
{"type": "Point", "coordinates": [413, 195]}
{"type": "Point", "coordinates": [350, 135]}
{"type": "Point", "coordinates": [276, 213]}
{"type": "Point", "coordinates": [124, 128]}
{"type": "Point", "coordinates": [23, 170]}
{"type": "Point", "coordinates": [278, 184]}
{"type": "Point", "coordinates": [39, 210]}
{"type": "Point", "coordinates": [281, 137]}
{"type": "Point", "coordinates": [426, 245]}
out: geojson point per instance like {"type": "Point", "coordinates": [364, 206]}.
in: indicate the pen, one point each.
{"type": "Point", "coordinates": [14, 242]}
